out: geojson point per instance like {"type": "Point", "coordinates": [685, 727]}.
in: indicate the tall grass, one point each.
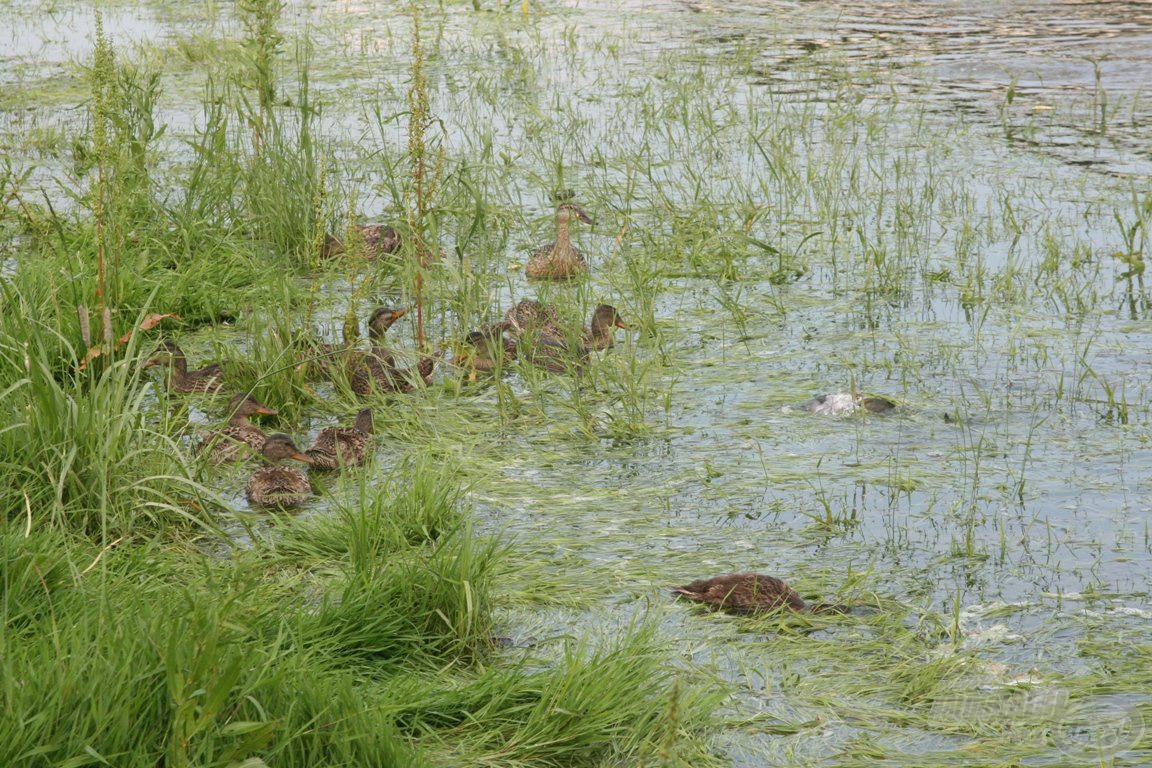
{"type": "Point", "coordinates": [80, 448]}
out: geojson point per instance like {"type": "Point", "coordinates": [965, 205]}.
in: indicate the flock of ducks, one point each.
{"type": "Point", "coordinates": [530, 330]}
{"type": "Point", "coordinates": [534, 334]}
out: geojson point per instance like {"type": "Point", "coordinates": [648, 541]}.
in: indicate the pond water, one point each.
{"type": "Point", "coordinates": [922, 200]}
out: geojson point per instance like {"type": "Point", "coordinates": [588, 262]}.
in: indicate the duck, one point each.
{"type": "Point", "coordinates": [240, 439]}
{"type": "Point", "coordinates": [529, 315]}
{"type": "Point", "coordinates": [275, 486]}
{"type": "Point", "coordinates": [377, 374]}
{"type": "Point", "coordinates": [842, 403]}
{"type": "Point", "coordinates": [491, 350]}
{"type": "Point", "coordinates": [329, 359]}
{"type": "Point", "coordinates": [559, 260]}
{"type": "Point", "coordinates": [751, 593]}
{"type": "Point", "coordinates": [381, 319]}
{"type": "Point", "coordinates": [379, 240]}
{"type": "Point", "coordinates": [209, 379]}
{"type": "Point", "coordinates": [599, 335]}
{"type": "Point", "coordinates": [549, 348]}
{"type": "Point", "coordinates": [337, 447]}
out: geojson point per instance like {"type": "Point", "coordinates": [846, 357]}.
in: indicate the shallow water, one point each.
{"type": "Point", "coordinates": [961, 263]}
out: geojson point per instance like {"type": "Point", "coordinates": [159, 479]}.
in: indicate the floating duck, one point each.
{"type": "Point", "coordinates": [209, 379]}
{"type": "Point", "coordinates": [379, 240]}
{"type": "Point", "coordinates": [559, 260]}
{"type": "Point", "coordinates": [549, 348]}
{"type": "Point", "coordinates": [240, 439]}
{"type": "Point", "coordinates": [337, 447]}
{"type": "Point", "coordinates": [490, 348]}
{"type": "Point", "coordinates": [275, 486]}
{"type": "Point", "coordinates": [749, 593]}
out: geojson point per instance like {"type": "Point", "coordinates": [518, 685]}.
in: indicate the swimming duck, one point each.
{"type": "Point", "coordinates": [549, 347]}
{"type": "Point", "coordinates": [337, 447]}
{"type": "Point", "coordinates": [328, 359]}
{"type": "Point", "coordinates": [379, 375]}
{"type": "Point", "coordinates": [379, 240]}
{"type": "Point", "coordinates": [529, 315]}
{"type": "Point", "coordinates": [275, 486]}
{"type": "Point", "coordinates": [842, 403]}
{"type": "Point", "coordinates": [378, 324]}
{"type": "Point", "coordinates": [240, 439]}
{"type": "Point", "coordinates": [490, 348]}
{"type": "Point", "coordinates": [748, 593]}
{"type": "Point", "coordinates": [559, 260]}
{"type": "Point", "coordinates": [600, 333]}
{"type": "Point", "coordinates": [209, 379]}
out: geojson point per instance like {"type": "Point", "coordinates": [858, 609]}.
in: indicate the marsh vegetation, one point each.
{"type": "Point", "coordinates": [781, 208]}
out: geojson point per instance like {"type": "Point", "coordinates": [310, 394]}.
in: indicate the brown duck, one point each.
{"type": "Point", "coordinates": [549, 348]}
{"type": "Point", "coordinates": [530, 315]}
{"type": "Point", "coordinates": [379, 375]}
{"type": "Point", "coordinates": [490, 349]}
{"type": "Point", "coordinates": [337, 447]}
{"type": "Point", "coordinates": [599, 335]}
{"type": "Point", "coordinates": [240, 439]}
{"type": "Point", "coordinates": [559, 260]}
{"type": "Point", "coordinates": [379, 240]}
{"type": "Point", "coordinates": [329, 359]}
{"type": "Point", "coordinates": [209, 379]}
{"type": "Point", "coordinates": [749, 593]}
{"type": "Point", "coordinates": [275, 486]}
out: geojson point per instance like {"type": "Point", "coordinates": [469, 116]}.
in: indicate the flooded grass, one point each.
{"type": "Point", "coordinates": [783, 208]}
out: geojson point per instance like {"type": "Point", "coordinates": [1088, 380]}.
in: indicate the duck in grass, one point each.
{"type": "Point", "coordinates": [240, 439]}
{"type": "Point", "coordinates": [379, 240]}
{"type": "Point", "coordinates": [530, 315]}
{"type": "Point", "coordinates": [550, 349]}
{"type": "Point", "coordinates": [337, 447]}
{"type": "Point", "coordinates": [377, 374]}
{"type": "Point", "coordinates": [329, 359]}
{"type": "Point", "coordinates": [275, 486]}
{"type": "Point", "coordinates": [843, 403]}
{"type": "Point", "coordinates": [209, 379]}
{"type": "Point", "coordinates": [379, 322]}
{"type": "Point", "coordinates": [750, 593]}
{"type": "Point", "coordinates": [559, 260]}
{"type": "Point", "coordinates": [489, 349]}
{"type": "Point", "coordinates": [600, 333]}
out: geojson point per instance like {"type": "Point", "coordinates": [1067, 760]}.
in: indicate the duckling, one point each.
{"type": "Point", "coordinates": [559, 260]}
{"type": "Point", "coordinates": [337, 447]}
{"type": "Point", "coordinates": [240, 439]}
{"type": "Point", "coordinates": [749, 593]}
{"type": "Point", "coordinates": [209, 379]}
{"type": "Point", "coordinates": [276, 486]}
{"type": "Point", "coordinates": [842, 403]}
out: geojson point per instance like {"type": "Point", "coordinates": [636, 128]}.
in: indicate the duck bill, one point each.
{"type": "Point", "coordinates": [399, 314]}
{"type": "Point", "coordinates": [302, 457]}
{"type": "Point", "coordinates": [584, 217]}
{"type": "Point", "coordinates": [621, 325]}
{"type": "Point", "coordinates": [266, 411]}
